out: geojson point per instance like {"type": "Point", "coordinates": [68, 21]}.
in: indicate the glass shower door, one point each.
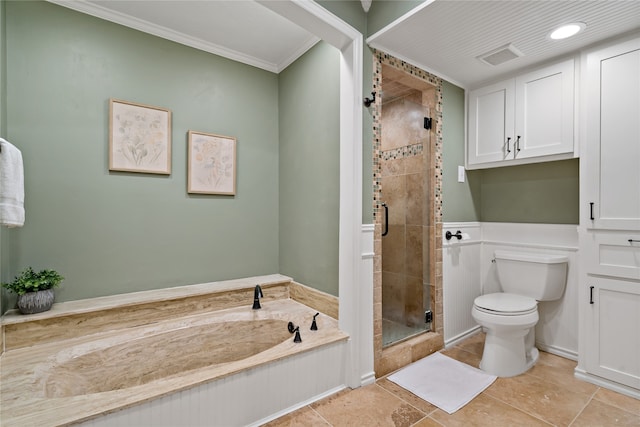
{"type": "Point", "coordinates": [405, 196]}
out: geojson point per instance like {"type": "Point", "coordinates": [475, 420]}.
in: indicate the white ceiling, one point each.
{"type": "Point", "coordinates": [446, 36]}
{"type": "Point", "coordinates": [441, 36]}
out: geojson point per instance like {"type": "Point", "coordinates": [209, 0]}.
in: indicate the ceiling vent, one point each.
{"type": "Point", "coordinates": [500, 55]}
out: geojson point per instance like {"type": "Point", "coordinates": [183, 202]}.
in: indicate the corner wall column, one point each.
{"type": "Point", "coordinates": [355, 285]}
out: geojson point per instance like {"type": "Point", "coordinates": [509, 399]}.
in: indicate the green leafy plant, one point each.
{"type": "Point", "coordinates": [30, 281]}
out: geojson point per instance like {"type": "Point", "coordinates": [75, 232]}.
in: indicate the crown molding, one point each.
{"type": "Point", "coordinates": [168, 34]}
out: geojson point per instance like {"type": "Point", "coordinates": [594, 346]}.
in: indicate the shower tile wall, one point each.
{"type": "Point", "coordinates": [405, 189]}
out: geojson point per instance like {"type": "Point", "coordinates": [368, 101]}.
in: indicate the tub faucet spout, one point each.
{"type": "Point", "coordinates": [257, 294]}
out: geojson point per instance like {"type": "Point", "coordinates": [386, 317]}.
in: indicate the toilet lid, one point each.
{"type": "Point", "coordinates": [506, 303]}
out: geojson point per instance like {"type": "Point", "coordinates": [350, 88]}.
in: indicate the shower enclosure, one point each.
{"type": "Point", "coordinates": [407, 204]}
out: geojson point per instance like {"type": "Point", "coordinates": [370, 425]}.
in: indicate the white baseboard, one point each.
{"type": "Point", "coordinates": [367, 379]}
{"type": "Point", "coordinates": [463, 336]}
{"type": "Point", "coordinates": [298, 406]}
{"type": "Point", "coordinates": [599, 381]}
{"type": "Point", "coordinates": [558, 351]}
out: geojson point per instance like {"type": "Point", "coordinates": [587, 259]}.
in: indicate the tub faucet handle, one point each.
{"type": "Point", "coordinates": [257, 294]}
{"type": "Point", "coordinates": [314, 325]}
{"type": "Point", "coordinates": [295, 329]}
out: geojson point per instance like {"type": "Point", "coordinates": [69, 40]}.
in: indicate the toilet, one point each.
{"type": "Point", "coordinates": [509, 317]}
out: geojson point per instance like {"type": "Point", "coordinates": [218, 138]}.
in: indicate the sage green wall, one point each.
{"type": "Point", "coordinates": [309, 123]}
{"type": "Point", "coordinates": [537, 193]}
{"type": "Point", "coordinates": [351, 12]}
{"type": "Point", "coordinates": [384, 12]}
{"type": "Point", "coordinates": [461, 201]}
{"type": "Point", "coordinates": [110, 232]}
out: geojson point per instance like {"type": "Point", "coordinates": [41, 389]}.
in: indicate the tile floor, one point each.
{"type": "Point", "coordinates": [547, 395]}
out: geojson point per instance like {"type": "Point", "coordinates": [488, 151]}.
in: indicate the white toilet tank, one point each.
{"type": "Point", "coordinates": [539, 276]}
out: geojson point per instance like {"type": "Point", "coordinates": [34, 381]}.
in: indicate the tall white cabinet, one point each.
{"type": "Point", "coordinates": [609, 352]}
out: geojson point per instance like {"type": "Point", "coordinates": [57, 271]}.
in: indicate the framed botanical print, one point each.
{"type": "Point", "coordinates": [211, 164]}
{"type": "Point", "coordinates": [139, 138]}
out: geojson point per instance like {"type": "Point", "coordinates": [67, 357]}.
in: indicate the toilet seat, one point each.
{"type": "Point", "coordinates": [504, 304]}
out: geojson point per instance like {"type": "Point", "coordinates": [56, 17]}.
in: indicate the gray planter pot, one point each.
{"type": "Point", "coordinates": [35, 302]}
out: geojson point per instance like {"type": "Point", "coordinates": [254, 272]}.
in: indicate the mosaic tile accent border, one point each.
{"type": "Point", "coordinates": [380, 58]}
{"type": "Point", "coordinates": [382, 360]}
{"type": "Point", "coordinates": [402, 152]}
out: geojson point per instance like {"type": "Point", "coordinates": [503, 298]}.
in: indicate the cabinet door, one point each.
{"type": "Point", "coordinates": [491, 123]}
{"type": "Point", "coordinates": [613, 341]}
{"type": "Point", "coordinates": [612, 253]}
{"type": "Point", "coordinates": [544, 108]}
{"type": "Point", "coordinates": [612, 155]}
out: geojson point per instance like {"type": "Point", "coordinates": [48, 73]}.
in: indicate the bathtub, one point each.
{"type": "Point", "coordinates": [83, 378]}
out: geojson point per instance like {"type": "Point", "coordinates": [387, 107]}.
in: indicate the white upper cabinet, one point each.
{"type": "Point", "coordinates": [523, 120]}
{"type": "Point", "coordinates": [613, 138]}
{"type": "Point", "coordinates": [491, 123]}
{"type": "Point", "coordinates": [544, 111]}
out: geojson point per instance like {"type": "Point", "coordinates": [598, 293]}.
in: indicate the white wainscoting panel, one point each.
{"type": "Point", "coordinates": [460, 279]}
{"type": "Point", "coordinates": [467, 272]}
{"type": "Point", "coordinates": [368, 375]}
{"type": "Point", "coordinates": [248, 398]}
{"type": "Point", "coordinates": [557, 329]}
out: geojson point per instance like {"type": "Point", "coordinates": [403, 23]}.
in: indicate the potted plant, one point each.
{"type": "Point", "coordinates": [35, 290]}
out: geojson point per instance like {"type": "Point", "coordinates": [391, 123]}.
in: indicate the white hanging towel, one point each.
{"type": "Point", "coordinates": [11, 185]}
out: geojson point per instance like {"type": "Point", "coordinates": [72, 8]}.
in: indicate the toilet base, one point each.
{"type": "Point", "coordinates": [506, 355]}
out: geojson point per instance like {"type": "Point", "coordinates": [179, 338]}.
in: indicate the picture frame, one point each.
{"type": "Point", "coordinates": [211, 164]}
{"type": "Point", "coordinates": [139, 138]}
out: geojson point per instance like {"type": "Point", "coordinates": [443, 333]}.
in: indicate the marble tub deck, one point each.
{"type": "Point", "coordinates": [28, 374]}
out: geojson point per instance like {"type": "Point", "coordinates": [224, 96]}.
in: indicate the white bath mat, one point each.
{"type": "Point", "coordinates": [443, 381]}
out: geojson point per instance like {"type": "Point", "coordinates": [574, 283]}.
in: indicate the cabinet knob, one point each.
{"type": "Point", "coordinates": [518, 144]}
{"type": "Point", "coordinates": [508, 140]}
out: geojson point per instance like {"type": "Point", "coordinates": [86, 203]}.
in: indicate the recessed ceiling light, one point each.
{"type": "Point", "coordinates": [567, 30]}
